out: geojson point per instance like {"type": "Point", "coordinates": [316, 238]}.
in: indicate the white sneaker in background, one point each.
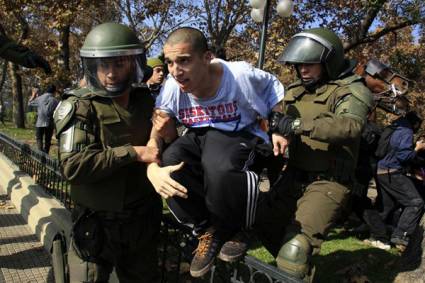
{"type": "Point", "coordinates": [377, 244]}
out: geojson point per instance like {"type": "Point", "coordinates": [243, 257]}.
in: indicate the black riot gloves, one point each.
{"type": "Point", "coordinates": [284, 125]}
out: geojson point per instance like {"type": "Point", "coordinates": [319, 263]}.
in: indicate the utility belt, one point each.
{"type": "Point", "coordinates": [306, 177]}
{"type": "Point", "coordinates": [88, 230]}
{"type": "Point", "coordinates": [136, 210]}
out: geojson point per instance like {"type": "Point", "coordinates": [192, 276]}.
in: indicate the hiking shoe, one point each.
{"type": "Point", "coordinates": [400, 242]}
{"type": "Point", "coordinates": [235, 248]}
{"type": "Point", "coordinates": [208, 247]}
{"type": "Point", "coordinates": [383, 245]}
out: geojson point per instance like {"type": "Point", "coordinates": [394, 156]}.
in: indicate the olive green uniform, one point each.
{"type": "Point", "coordinates": [115, 203]}
{"type": "Point", "coordinates": [322, 155]}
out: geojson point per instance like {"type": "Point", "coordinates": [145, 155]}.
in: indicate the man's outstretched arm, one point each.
{"type": "Point", "coordinates": [160, 177]}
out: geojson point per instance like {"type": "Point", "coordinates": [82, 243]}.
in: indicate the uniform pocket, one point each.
{"type": "Point", "coordinates": [88, 236]}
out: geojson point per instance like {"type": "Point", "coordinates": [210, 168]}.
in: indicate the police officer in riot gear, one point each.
{"type": "Point", "coordinates": [103, 129]}
{"type": "Point", "coordinates": [324, 113]}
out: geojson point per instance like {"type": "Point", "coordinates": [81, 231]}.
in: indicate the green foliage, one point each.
{"type": "Point", "coordinates": [408, 64]}
{"type": "Point", "coordinates": [27, 136]}
{"type": "Point", "coordinates": [24, 135]}
{"type": "Point", "coordinates": [31, 118]}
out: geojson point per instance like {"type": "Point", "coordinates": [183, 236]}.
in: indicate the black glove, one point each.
{"type": "Point", "coordinates": [34, 60]}
{"type": "Point", "coordinates": [281, 124]}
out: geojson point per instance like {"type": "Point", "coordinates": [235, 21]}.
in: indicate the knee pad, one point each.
{"type": "Point", "coordinates": [294, 256]}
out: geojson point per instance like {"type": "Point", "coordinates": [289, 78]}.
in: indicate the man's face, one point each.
{"type": "Point", "coordinates": [187, 67]}
{"type": "Point", "coordinates": [310, 72]}
{"type": "Point", "coordinates": [113, 72]}
{"type": "Point", "coordinates": [157, 75]}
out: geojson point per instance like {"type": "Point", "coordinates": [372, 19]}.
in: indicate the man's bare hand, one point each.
{"type": "Point", "coordinates": [420, 145]}
{"type": "Point", "coordinates": [147, 154]}
{"type": "Point", "coordinates": [280, 143]}
{"type": "Point", "coordinates": [163, 183]}
{"type": "Point", "coordinates": [164, 125]}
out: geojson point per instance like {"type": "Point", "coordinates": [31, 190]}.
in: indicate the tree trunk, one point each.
{"type": "Point", "coordinates": [63, 60]}
{"type": "Point", "coordinates": [18, 102]}
{"type": "Point", "coordinates": [3, 79]}
{"type": "Point", "coordinates": [412, 262]}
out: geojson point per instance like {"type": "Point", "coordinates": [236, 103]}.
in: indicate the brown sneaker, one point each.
{"type": "Point", "coordinates": [234, 249]}
{"type": "Point", "coordinates": [208, 247]}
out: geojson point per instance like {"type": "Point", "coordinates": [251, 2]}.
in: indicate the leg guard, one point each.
{"type": "Point", "coordinates": [294, 256]}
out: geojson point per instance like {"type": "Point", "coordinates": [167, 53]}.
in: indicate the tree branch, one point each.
{"type": "Point", "coordinates": [375, 36]}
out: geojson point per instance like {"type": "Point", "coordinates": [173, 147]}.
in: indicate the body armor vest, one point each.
{"type": "Point", "coordinates": [335, 161]}
{"type": "Point", "coordinates": [108, 124]}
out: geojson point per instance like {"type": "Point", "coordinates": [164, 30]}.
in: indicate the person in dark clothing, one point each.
{"type": "Point", "coordinates": [395, 186]}
{"type": "Point", "coordinates": [417, 171]}
{"type": "Point", "coordinates": [46, 105]}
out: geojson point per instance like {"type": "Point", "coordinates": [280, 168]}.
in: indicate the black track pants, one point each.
{"type": "Point", "coordinates": [222, 191]}
{"type": "Point", "coordinates": [399, 189]}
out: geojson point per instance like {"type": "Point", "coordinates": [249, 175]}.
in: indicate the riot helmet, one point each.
{"type": "Point", "coordinates": [318, 46]}
{"type": "Point", "coordinates": [397, 84]}
{"type": "Point", "coordinates": [113, 59]}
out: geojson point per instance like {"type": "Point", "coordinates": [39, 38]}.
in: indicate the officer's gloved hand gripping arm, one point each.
{"type": "Point", "coordinates": [339, 127]}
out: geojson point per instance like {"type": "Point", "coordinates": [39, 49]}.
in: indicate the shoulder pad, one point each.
{"type": "Point", "coordinates": [81, 92]}
{"type": "Point", "coordinates": [295, 84]}
{"type": "Point", "coordinates": [63, 114]}
{"type": "Point", "coordinates": [361, 92]}
{"type": "Point", "coordinates": [348, 80]}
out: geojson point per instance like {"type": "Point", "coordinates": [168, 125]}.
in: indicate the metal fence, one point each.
{"type": "Point", "coordinates": [40, 166]}
{"type": "Point", "coordinates": [177, 241]}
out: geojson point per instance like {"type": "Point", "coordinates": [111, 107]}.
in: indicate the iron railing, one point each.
{"type": "Point", "coordinates": [177, 241]}
{"type": "Point", "coordinates": [179, 244]}
{"type": "Point", "coordinates": [40, 166]}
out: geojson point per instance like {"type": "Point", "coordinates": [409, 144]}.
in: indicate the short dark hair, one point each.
{"type": "Point", "coordinates": [413, 117]}
{"type": "Point", "coordinates": [189, 35]}
{"type": "Point", "coordinates": [51, 88]}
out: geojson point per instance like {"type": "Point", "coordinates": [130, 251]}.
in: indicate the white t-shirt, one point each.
{"type": "Point", "coordinates": [244, 94]}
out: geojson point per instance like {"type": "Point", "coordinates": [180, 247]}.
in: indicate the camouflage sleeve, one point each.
{"type": "Point", "coordinates": [84, 159]}
{"type": "Point", "coordinates": [345, 123]}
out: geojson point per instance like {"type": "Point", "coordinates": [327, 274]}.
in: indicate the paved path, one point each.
{"type": "Point", "coordinates": [22, 257]}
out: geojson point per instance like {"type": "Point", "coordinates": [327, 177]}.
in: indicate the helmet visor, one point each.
{"type": "Point", "coordinates": [304, 50]}
{"type": "Point", "coordinates": [113, 74]}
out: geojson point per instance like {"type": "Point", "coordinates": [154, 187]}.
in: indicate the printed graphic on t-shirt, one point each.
{"type": "Point", "coordinates": [208, 115]}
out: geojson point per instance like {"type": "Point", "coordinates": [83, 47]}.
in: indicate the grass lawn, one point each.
{"type": "Point", "coordinates": [340, 254]}
{"type": "Point", "coordinates": [27, 136]}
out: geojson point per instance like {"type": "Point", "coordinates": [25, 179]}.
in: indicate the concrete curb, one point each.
{"type": "Point", "coordinates": [44, 214]}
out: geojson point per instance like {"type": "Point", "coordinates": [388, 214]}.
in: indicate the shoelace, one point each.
{"type": "Point", "coordinates": [204, 244]}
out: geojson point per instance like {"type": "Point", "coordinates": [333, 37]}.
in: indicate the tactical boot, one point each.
{"type": "Point", "coordinates": [208, 247]}
{"type": "Point", "coordinates": [235, 248]}
{"type": "Point", "coordinates": [294, 257]}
